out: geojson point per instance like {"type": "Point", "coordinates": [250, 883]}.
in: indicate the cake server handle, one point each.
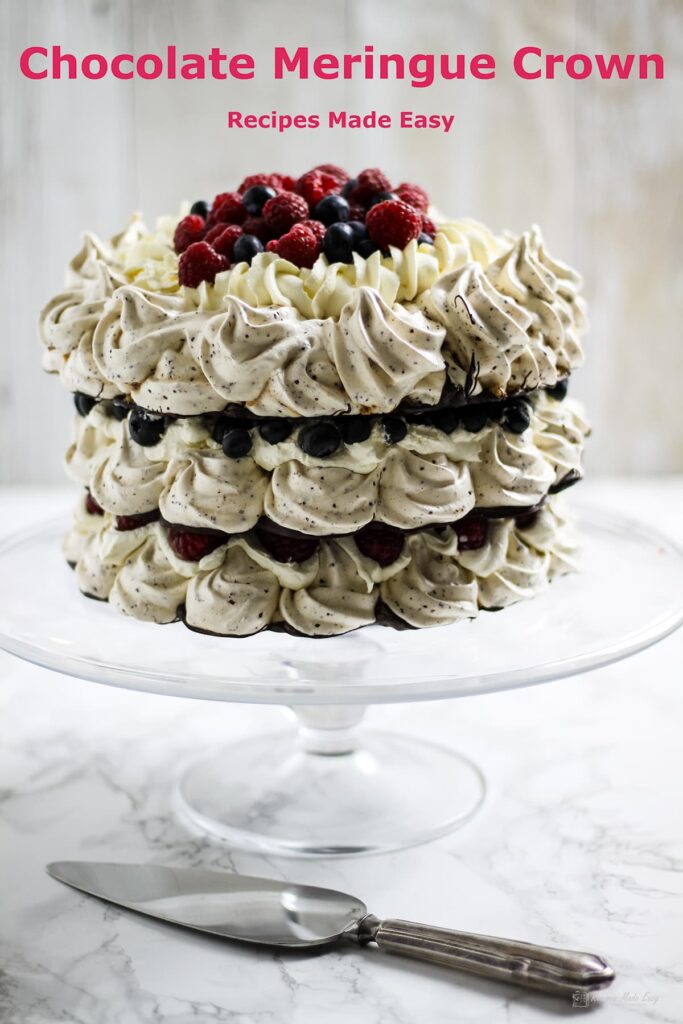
{"type": "Point", "coordinates": [558, 971]}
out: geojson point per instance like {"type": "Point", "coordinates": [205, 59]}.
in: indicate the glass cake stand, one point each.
{"type": "Point", "coordinates": [332, 789]}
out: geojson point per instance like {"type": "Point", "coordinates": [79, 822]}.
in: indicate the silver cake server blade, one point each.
{"type": "Point", "coordinates": [273, 913]}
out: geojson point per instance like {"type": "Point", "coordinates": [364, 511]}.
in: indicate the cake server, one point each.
{"type": "Point", "coordinates": [264, 911]}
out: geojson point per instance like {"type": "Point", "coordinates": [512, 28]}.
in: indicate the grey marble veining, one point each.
{"type": "Point", "coordinates": [580, 843]}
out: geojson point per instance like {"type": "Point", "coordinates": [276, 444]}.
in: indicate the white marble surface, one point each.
{"type": "Point", "coordinates": [580, 844]}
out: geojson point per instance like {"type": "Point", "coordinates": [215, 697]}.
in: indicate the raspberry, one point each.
{"type": "Point", "coordinates": [190, 229]}
{"type": "Point", "coordinates": [284, 210]}
{"type": "Point", "coordinates": [224, 241]}
{"type": "Point", "coordinates": [215, 232]}
{"type": "Point", "coordinates": [288, 549]}
{"type": "Point", "coordinates": [336, 172]}
{"type": "Point", "coordinates": [316, 226]}
{"type": "Point", "coordinates": [382, 543]}
{"type": "Point", "coordinates": [413, 195]}
{"type": "Point", "coordinates": [125, 523]}
{"type": "Point", "coordinates": [192, 547]}
{"type": "Point", "coordinates": [299, 246]}
{"type": "Point", "coordinates": [273, 245]}
{"type": "Point", "coordinates": [357, 212]}
{"type": "Point", "coordinates": [272, 180]}
{"type": "Point", "coordinates": [91, 506]}
{"type": "Point", "coordinates": [257, 226]}
{"type": "Point", "coordinates": [428, 226]}
{"type": "Point", "coordinates": [471, 533]}
{"type": "Point", "coordinates": [227, 209]}
{"type": "Point", "coordinates": [287, 182]}
{"type": "Point", "coordinates": [315, 185]}
{"type": "Point", "coordinates": [200, 263]}
{"type": "Point", "coordinates": [393, 223]}
{"type": "Point", "coordinates": [369, 183]}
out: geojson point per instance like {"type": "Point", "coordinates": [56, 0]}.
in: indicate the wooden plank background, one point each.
{"type": "Point", "coordinates": [597, 164]}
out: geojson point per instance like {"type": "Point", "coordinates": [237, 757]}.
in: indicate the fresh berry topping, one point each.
{"type": "Point", "coordinates": [316, 184]}
{"type": "Point", "coordinates": [474, 418]}
{"type": "Point", "coordinates": [393, 223]}
{"type": "Point", "coordinates": [446, 419]}
{"type": "Point", "coordinates": [355, 428]}
{"type": "Point", "coordinates": [284, 210]}
{"type": "Point", "coordinates": [332, 210]}
{"type": "Point", "coordinates": [424, 239]}
{"type": "Point", "coordinates": [394, 428]}
{"type": "Point", "coordinates": [360, 232]}
{"type": "Point", "coordinates": [338, 243]}
{"type": "Point", "coordinates": [288, 549]}
{"type": "Point", "coordinates": [256, 197]}
{"type": "Point", "coordinates": [91, 506]}
{"type": "Point", "coordinates": [126, 523]}
{"type": "Point", "coordinates": [200, 262]}
{"type": "Point", "coordinates": [257, 226]}
{"type": "Point", "coordinates": [224, 243]}
{"type": "Point", "coordinates": [299, 246]}
{"type": "Point", "coordinates": [516, 416]}
{"type": "Point", "coordinates": [192, 547]}
{"type": "Point", "coordinates": [246, 247]}
{"type": "Point", "coordinates": [144, 428]}
{"type": "Point", "coordinates": [368, 184]}
{"type": "Point", "coordinates": [236, 443]}
{"type": "Point", "coordinates": [357, 212]}
{"type": "Point", "coordinates": [559, 392]}
{"type": "Point", "coordinates": [413, 195]}
{"type": "Point", "coordinates": [228, 208]}
{"type": "Point", "coordinates": [471, 533]}
{"type": "Point", "coordinates": [428, 226]}
{"type": "Point", "coordinates": [382, 543]}
{"type": "Point", "coordinates": [349, 187]}
{"type": "Point", "coordinates": [189, 229]}
{"type": "Point", "coordinates": [83, 403]}
{"type": "Point", "coordinates": [273, 245]}
{"type": "Point", "coordinates": [381, 197]}
{"type": "Point", "coordinates": [336, 172]}
{"type": "Point", "coordinates": [215, 232]}
{"type": "Point", "coordinates": [287, 182]}
{"type": "Point", "coordinates": [316, 226]}
{"type": "Point", "coordinates": [201, 208]}
{"type": "Point", "coordinates": [275, 431]}
{"type": "Point", "coordinates": [120, 408]}
{"type": "Point", "coordinates": [320, 440]}
{"type": "Point", "coordinates": [366, 247]}
{"type": "Point", "coordinates": [271, 180]}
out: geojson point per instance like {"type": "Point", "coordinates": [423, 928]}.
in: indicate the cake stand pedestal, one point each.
{"type": "Point", "coordinates": [335, 789]}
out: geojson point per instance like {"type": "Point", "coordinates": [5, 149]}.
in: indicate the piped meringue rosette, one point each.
{"type": "Point", "coordinates": [315, 448]}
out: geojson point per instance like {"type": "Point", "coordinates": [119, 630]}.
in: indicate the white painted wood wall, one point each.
{"type": "Point", "coordinates": [597, 164]}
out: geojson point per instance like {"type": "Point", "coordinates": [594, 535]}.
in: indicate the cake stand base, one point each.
{"type": "Point", "coordinates": [329, 791]}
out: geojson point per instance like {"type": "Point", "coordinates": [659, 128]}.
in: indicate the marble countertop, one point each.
{"type": "Point", "coordinates": [579, 844]}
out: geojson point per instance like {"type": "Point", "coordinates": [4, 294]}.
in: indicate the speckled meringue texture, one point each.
{"type": "Point", "coordinates": [240, 589]}
{"type": "Point", "coordinates": [429, 477]}
{"type": "Point", "coordinates": [487, 313]}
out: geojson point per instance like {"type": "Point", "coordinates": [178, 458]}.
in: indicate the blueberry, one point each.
{"type": "Point", "coordinates": [246, 247]}
{"type": "Point", "coordinates": [256, 197]}
{"type": "Point", "coordinates": [366, 247]}
{"type": "Point", "coordinates": [236, 442]}
{"type": "Point", "coordinates": [349, 187]}
{"type": "Point", "coordinates": [517, 416]}
{"type": "Point", "coordinates": [274, 431]}
{"type": "Point", "coordinates": [120, 408]}
{"type": "Point", "coordinates": [474, 418]}
{"type": "Point", "coordinates": [355, 428]}
{"type": "Point", "coordinates": [382, 197]}
{"type": "Point", "coordinates": [319, 439]}
{"type": "Point", "coordinates": [338, 243]}
{"type": "Point", "coordinates": [446, 420]}
{"type": "Point", "coordinates": [559, 392]}
{"type": "Point", "coordinates": [360, 232]}
{"type": "Point", "coordinates": [425, 238]}
{"type": "Point", "coordinates": [145, 428]}
{"type": "Point", "coordinates": [83, 403]}
{"type": "Point", "coordinates": [395, 428]}
{"type": "Point", "coordinates": [200, 208]}
{"type": "Point", "coordinates": [332, 210]}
